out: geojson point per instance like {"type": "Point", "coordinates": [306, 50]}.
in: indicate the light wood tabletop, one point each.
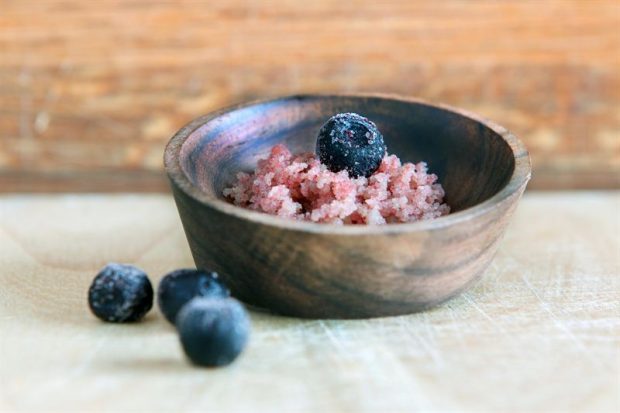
{"type": "Point", "coordinates": [540, 332]}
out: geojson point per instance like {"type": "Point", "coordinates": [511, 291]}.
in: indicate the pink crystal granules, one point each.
{"type": "Point", "coordinates": [300, 187]}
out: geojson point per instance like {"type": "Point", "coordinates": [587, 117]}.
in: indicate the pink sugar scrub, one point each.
{"type": "Point", "coordinates": [301, 187]}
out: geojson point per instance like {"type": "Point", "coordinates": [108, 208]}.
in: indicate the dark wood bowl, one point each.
{"type": "Point", "coordinates": [329, 271]}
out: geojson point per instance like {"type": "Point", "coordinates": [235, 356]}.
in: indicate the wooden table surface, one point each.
{"type": "Point", "coordinates": [540, 332]}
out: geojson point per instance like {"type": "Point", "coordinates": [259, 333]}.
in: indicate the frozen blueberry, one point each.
{"type": "Point", "coordinates": [213, 332]}
{"type": "Point", "coordinates": [120, 293]}
{"type": "Point", "coordinates": [351, 142]}
{"type": "Point", "coordinates": [180, 286]}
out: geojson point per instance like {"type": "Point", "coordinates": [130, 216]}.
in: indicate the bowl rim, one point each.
{"type": "Point", "coordinates": [520, 176]}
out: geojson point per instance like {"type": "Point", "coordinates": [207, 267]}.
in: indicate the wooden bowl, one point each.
{"type": "Point", "coordinates": [329, 271]}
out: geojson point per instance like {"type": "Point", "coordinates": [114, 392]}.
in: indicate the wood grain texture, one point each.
{"type": "Point", "coordinates": [539, 333]}
{"type": "Point", "coordinates": [328, 271]}
{"type": "Point", "coordinates": [88, 88]}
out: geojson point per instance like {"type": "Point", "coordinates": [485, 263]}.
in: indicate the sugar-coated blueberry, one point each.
{"type": "Point", "coordinates": [213, 331]}
{"type": "Point", "coordinates": [351, 142]}
{"type": "Point", "coordinates": [178, 287]}
{"type": "Point", "coordinates": [120, 293]}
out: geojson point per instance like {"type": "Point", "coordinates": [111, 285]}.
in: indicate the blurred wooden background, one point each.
{"type": "Point", "coordinates": [90, 91]}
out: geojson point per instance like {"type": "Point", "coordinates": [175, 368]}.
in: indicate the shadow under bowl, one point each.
{"type": "Point", "coordinates": [328, 271]}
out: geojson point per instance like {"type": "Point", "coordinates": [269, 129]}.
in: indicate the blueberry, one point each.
{"type": "Point", "coordinates": [351, 142]}
{"type": "Point", "coordinates": [120, 293]}
{"type": "Point", "coordinates": [213, 331]}
{"type": "Point", "coordinates": [180, 286]}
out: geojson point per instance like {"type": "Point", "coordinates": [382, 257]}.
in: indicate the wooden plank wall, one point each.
{"type": "Point", "coordinates": [90, 91]}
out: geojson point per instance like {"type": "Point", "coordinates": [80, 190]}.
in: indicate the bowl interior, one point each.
{"type": "Point", "coordinates": [472, 161]}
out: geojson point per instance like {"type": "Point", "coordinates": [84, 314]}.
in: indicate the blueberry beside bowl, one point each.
{"type": "Point", "coordinates": [327, 271]}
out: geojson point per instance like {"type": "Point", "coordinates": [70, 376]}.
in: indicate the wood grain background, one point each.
{"type": "Point", "coordinates": [91, 91]}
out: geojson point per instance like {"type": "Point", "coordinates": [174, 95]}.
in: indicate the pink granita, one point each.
{"type": "Point", "coordinates": [300, 187]}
